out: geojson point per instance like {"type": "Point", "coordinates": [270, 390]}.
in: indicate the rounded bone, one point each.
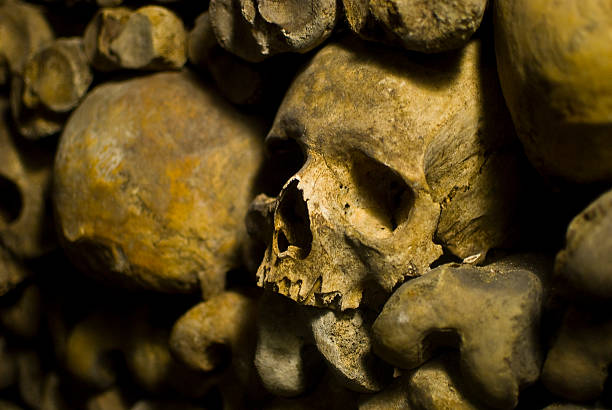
{"type": "Point", "coordinates": [586, 261]}
{"type": "Point", "coordinates": [22, 318]}
{"type": "Point", "coordinates": [254, 30]}
{"type": "Point", "coordinates": [223, 325]}
{"type": "Point", "coordinates": [152, 182]}
{"type": "Point", "coordinates": [150, 38]}
{"type": "Point", "coordinates": [399, 150]}
{"type": "Point", "coordinates": [429, 26]}
{"type": "Point", "coordinates": [25, 179]}
{"type": "Point", "coordinates": [576, 366]}
{"type": "Point", "coordinates": [555, 68]}
{"type": "Point", "coordinates": [53, 82]}
{"type": "Point", "coordinates": [490, 313]}
{"type": "Point", "coordinates": [23, 31]}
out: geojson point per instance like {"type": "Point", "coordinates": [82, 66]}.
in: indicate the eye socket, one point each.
{"type": "Point", "coordinates": [382, 193]}
{"type": "Point", "coordinates": [285, 158]}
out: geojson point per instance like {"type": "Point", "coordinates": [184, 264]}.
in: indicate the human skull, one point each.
{"type": "Point", "coordinates": [404, 154]}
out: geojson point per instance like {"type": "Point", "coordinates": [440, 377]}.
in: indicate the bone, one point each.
{"type": "Point", "coordinates": [98, 344]}
{"type": "Point", "coordinates": [437, 385]}
{"type": "Point", "coordinates": [585, 261]}
{"type": "Point", "coordinates": [340, 241]}
{"type": "Point", "coordinates": [53, 82]}
{"type": "Point", "coordinates": [23, 31]}
{"type": "Point", "coordinates": [224, 325]}
{"type": "Point", "coordinates": [256, 30]}
{"type": "Point", "coordinates": [576, 366]}
{"type": "Point", "coordinates": [285, 359]}
{"type": "Point", "coordinates": [491, 314]}
{"type": "Point", "coordinates": [25, 179]}
{"type": "Point", "coordinates": [153, 177]}
{"type": "Point", "coordinates": [425, 26]}
{"type": "Point", "coordinates": [111, 399]}
{"type": "Point", "coordinates": [12, 271]}
{"type": "Point", "coordinates": [557, 85]}
{"type": "Point", "coordinates": [22, 319]}
{"type": "Point", "coordinates": [344, 341]}
{"type": "Point", "coordinates": [150, 38]}
{"type": "Point", "coordinates": [31, 378]}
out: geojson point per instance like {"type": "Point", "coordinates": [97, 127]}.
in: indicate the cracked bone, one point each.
{"type": "Point", "coordinates": [54, 81]}
{"type": "Point", "coordinates": [577, 364]}
{"type": "Point", "coordinates": [399, 151]}
{"type": "Point", "coordinates": [26, 228]}
{"type": "Point", "coordinates": [586, 261]}
{"type": "Point", "coordinates": [555, 69]}
{"type": "Point", "coordinates": [149, 38]}
{"type": "Point", "coordinates": [428, 26]}
{"type": "Point", "coordinates": [152, 182]}
{"type": "Point", "coordinates": [255, 30]}
{"type": "Point", "coordinates": [294, 341]}
{"type": "Point", "coordinates": [491, 314]}
{"type": "Point", "coordinates": [23, 31]}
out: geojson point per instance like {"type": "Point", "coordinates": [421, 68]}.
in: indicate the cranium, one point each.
{"type": "Point", "coordinates": [404, 154]}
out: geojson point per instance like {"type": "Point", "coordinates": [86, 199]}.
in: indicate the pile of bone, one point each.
{"type": "Point", "coordinates": [290, 204]}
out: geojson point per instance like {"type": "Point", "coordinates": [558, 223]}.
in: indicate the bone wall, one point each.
{"type": "Point", "coordinates": [326, 204]}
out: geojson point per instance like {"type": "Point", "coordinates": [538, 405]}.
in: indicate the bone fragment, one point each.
{"type": "Point", "coordinates": [150, 38]}
{"type": "Point", "coordinates": [22, 318]}
{"type": "Point", "coordinates": [428, 26]}
{"type": "Point", "coordinates": [586, 261]}
{"type": "Point", "coordinates": [53, 82]}
{"type": "Point", "coordinates": [555, 69]}
{"type": "Point", "coordinates": [23, 31]}
{"type": "Point", "coordinates": [152, 182]}
{"type": "Point", "coordinates": [576, 366]}
{"type": "Point", "coordinates": [12, 271]}
{"type": "Point", "coordinates": [111, 399]}
{"type": "Point", "coordinates": [224, 325]}
{"type": "Point", "coordinates": [255, 30]}
{"type": "Point", "coordinates": [344, 341]}
{"type": "Point", "coordinates": [491, 314]}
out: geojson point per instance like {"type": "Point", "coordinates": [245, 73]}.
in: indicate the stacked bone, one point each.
{"type": "Point", "coordinates": [427, 223]}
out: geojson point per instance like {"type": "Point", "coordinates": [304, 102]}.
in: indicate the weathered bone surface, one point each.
{"type": "Point", "coordinates": [152, 181]}
{"type": "Point", "coordinates": [25, 180]}
{"type": "Point", "coordinates": [254, 30]}
{"type": "Point", "coordinates": [150, 38]}
{"type": "Point", "coordinates": [576, 366]}
{"type": "Point", "coordinates": [586, 261]}
{"type": "Point", "coordinates": [53, 82]}
{"type": "Point", "coordinates": [293, 341]}
{"type": "Point", "coordinates": [555, 68]}
{"type": "Point", "coordinates": [431, 130]}
{"type": "Point", "coordinates": [429, 26]}
{"type": "Point", "coordinates": [491, 314]}
{"type": "Point", "coordinates": [23, 31]}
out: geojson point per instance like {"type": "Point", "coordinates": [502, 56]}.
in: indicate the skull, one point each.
{"type": "Point", "coordinates": [405, 155]}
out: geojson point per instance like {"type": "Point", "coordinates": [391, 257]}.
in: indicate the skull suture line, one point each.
{"type": "Point", "coordinates": [404, 153]}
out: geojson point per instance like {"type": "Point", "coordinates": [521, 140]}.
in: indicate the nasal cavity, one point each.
{"type": "Point", "coordinates": [294, 230]}
{"type": "Point", "coordinates": [11, 202]}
